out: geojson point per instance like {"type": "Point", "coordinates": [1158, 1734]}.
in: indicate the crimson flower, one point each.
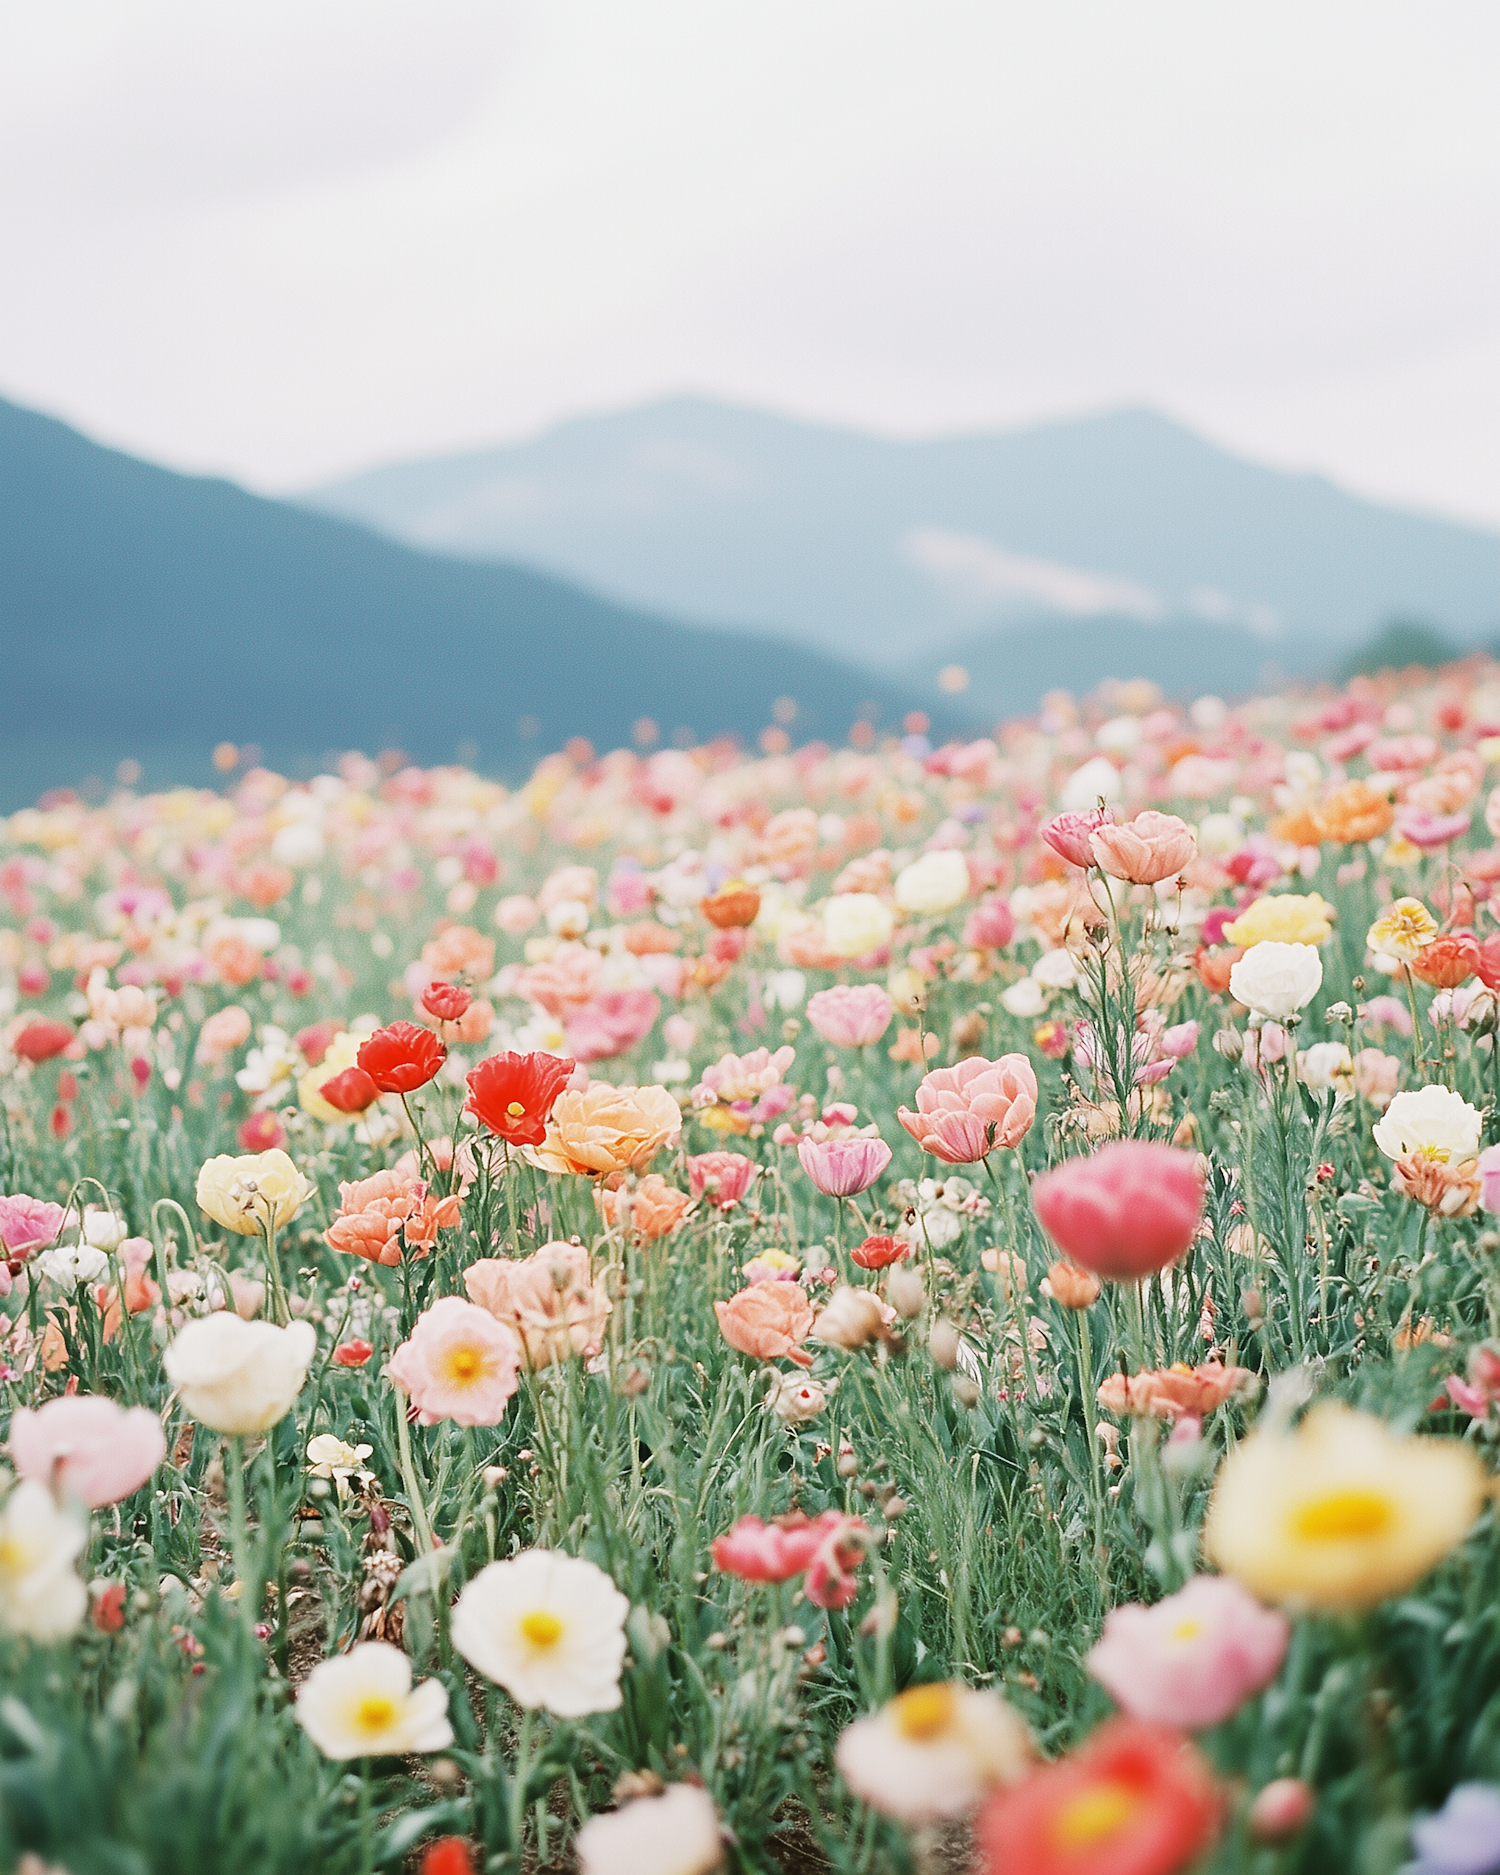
{"type": "Point", "coordinates": [351, 1091]}
{"type": "Point", "coordinates": [513, 1094]}
{"type": "Point", "coordinates": [41, 1040]}
{"type": "Point", "coordinates": [402, 1057]}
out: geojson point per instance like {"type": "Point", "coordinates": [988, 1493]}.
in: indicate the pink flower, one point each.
{"type": "Point", "coordinates": [1387, 1012]}
{"type": "Point", "coordinates": [1193, 1659]}
{"type": "Point", "coordinates": [1428, 830]}
{"type": "Point", "coordinates": [840, 1168]}
{"type": "Point", "coordinates": [990, 926]}
{"type": "Point", "coordinates": [976, 1108]}
{"type": "Point", "coordinates": [460, 1364]}
{"type": "Point", "coordinates": [1179, 1041]}
{"type": "Point", "coordinates": [1146, 850]}
{"type": "Point", "coordinates": [720, 1178]}
{"type": "Point", "coordinates": [1071, 835]}
{"type": "Point", "coordinates": [86, 1446]}
{"type": "Point", "coordinates": [28, 1224]}
{"type": "Point", "coordinates": [1489, 1178]}
{"type": "Point", "coordinates": [1129, 1209]}
{"type": "Point", "coordinates": [744, 1077]}
{"type": "Point", "coordinates": [851, 1015]}
{"type": "Point", "coordinates": [768, 1321]}
{"type": "Point", "coordinates": [611, 1023]}
{"type": "Point", "coordinates": [828, 1548]}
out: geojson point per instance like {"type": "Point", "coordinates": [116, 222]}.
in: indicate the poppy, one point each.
{"type": "Point", "coordinates": [401, 1058]}
{"type": "Point", "coordinates": [513, 1094]}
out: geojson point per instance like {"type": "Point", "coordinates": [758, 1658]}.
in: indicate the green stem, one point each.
{"type": "Point", "coordinates": [414, 1498]}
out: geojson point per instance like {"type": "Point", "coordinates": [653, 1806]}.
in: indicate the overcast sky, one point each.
{"type": "Point", "coordinates": [296, 237]}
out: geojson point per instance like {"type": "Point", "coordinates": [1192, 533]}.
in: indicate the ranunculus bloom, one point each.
{"type": "Point", "coordinates": [1129, 1209]}
{"type": "Point", "coordinates": [88, 1447]}
{"type": "Point", "coordinates": [720, 1178]}
{"type": "Point", "coordinates": [608, 1129]}
{"type": "Point", "coordinates": [1445, 1190]}
{"type": "Point", "coordinates": [1447, 961]}
{"type": "Point", "coordinates": [841, 1168]}
{"type": "Point", "coordinates": [1432, 1122]}
{"type": "Point", "coordinates": [513, 1094]}
{"type": "Point", "coordinates": [851, 1015]}
{"type": "Point", "coordinates": [350, 1091]}
{"type": "Point", "coordinates": [653, 1210]}
{"type": "Point", "coordinates": [933, 884]}
{"type": "Point", "coordinates": [767, 1552]}
{"type": "Point", "coordinates": [1354, 813]}
{"type": "Point", "coordinates": [460, 1363]}
{"type": "Point", "coordinates": [1282, 918]}
{"type": "Point", "coordinates": [248, 1193]}
{"type": "Point", "coordinates": [852, 1318]}
{"type": "Point", "coordinates": [1135, 1800]}
{"type": "Point", "coordinates": [1071, 835]}
{"type": "Point", "coordinates": [1175, 1392]}
{"type": "Point", "coordinates": [1402, 930]}
{"type": "Point", "coordinates": [855, 924]}
{"type": "Point", "coordinates": [769, 1321]}
{"type": "Point", "coordinates": [1428, 830]}
{"type": "Point", "coordinates": [28, 1224]}
{"type": "Point", "coordinates": [876, 1253]}
{"type": "Point", "coordinates": [1276, 980]}
{"type": "Point", "coordinates": [1193, 1659]}
{"type": "Point", "coordinates": [733, 906]}
{"type": "Point", "coordinates": [1146, 850]}
{"type": "Point", "coordinates": [402, 1057]}
{"type": "Point", "coordinates": [978, 1107]}
{"type": "Point", "coordinates": [223, 1032]}
{"type": "Point", "coordinates": [376, 1212]}
{"type": "Point", "coordinates": [611, 1023]}
{"type": "Point", "coordinates": [548, 1299]}
{"type": "Point", "coordinates": [239, 1377]}
{"type": "Point", "coordinates": [41, 1039]}
{"type": "Point", "coordinates": [746, 1077]}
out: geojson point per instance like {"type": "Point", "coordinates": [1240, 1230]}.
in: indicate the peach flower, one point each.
{"type": "Point", "coordinates": [1175, 1392]}
{"type": "Point", "coordinates": [608, 1129]}
{"type": "Point", "coordinates": [966, 1112]}
{"type": "Point", "coordinates": [223, 1032]}
{"type": "Point", "coordinates": [374, 1213]}
{"type": "Point", "coordinates": [549, 1301]}
{"type": "Point", "coordinates": [566, 981]}
{"type": "Point", "coordinates": [460, 1364]}
{"type": "Point", "coordinates": [459, 951]}
{"type": "Point", "coordinates": [1146, 850]}
{"type": "Point", "coordinates": [769, 1321]}
{"type": "Point", "coordinates": [653, 1209]}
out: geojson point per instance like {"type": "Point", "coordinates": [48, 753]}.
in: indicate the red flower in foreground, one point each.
{"type": "Point", "coordinates": [41, 1040]}
{"type": "Point", "coordinates": [513, 1094]}
{"type": "Point", "coordinates": [449, 1855]}
{"type": "Point", "coordinates": [876, 1252]}
{"type": "Point", "coordinates": [352, 1353]}
{"type": "Point", "coordinates": [1136, 1800]}
{"type": "Point", "coordinates": [351, 1091]}
{"type": "Point", "coordinates": [401, 1058]}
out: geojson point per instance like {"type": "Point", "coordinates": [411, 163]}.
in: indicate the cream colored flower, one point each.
{"type": "Point", "coordinates": [40, 1595]}
{"type": "Point", "coordinates": [329, 1457]}
{"type": "Point", "coordinates": [934, 1752]}
{"type": "Point", "coordinates": [363, 1705]}
{"type": "Point", "coordinates": [244, 1193]}
{"type": "Point", "coordinates": [1432, 1122]}
{"type": "Point", "coordinates": [1327, 1065]}
{"type": "Point", "coordinates": [933, 884]}
{"type": "Point", "coordinates": [795, 1399]}
{"type": "Point", "coordinates": [676, 1833]}
{"type": "Point", "coordinates": [239, 1377]}
{"type": "Point", "coordinates": [1276, 980]}
{"type": "Point", "coordinates": [547, 1627]}
{"type": "Point", "coordinates": [1402, 931]}
{"type": "Point", "coordinates": [856, 923]}
{"type": "Point", "coordinates": [608, 1129]}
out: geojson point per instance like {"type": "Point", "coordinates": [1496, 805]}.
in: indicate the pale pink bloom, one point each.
{"type": "Point", "coordinates": [549, 1299]}
{"type": "Point", "coordinates": [460, 1364]}
{"type": "Point", "coordinates": [569, 882]}
{"type": "Point", "coordinates": [565, 982]}
{"type": "Point", "coordinates": [1429, 831]}
{"type": "Point", "coordinates": [720, 1178]}
{"type": "Point", "coordinates": [516, 915]}
{"type": "Point", "coordinates": [611, 1023]}
{"type": "Point", "coordinates": [629, 893]}
{"type": "Point", "coordinates": [965, 1112]}
{"type": "Point", "coordinates": [1376, 1076]}
{"type": "Point", "coordinates": [680, 1032]}
{"type": "Point", "coordinates": [28, 1224]}
{"type": "Point", "coordinates": [742, 1077]}
{"type": "Point", "coordinates": [1387, 1012]}
{"type": "Point", "coordinates": [1146, 850]}
{"type": "Point", "coordinates": [223, 1032]}
{"type": "Point", "coordinates": [841, 1168]}
{"type": "Point", "coordinates": [1071, 835]}
{"type": "Point", "coordinates": [86, 1446]}
{"type": "Point", "coordinates": [1489, 1178]}
{"type": "Point", "coordinates": [1281, 1810]}
{"type": "Point", "coordinates": [769, 1321]}
{"type": "Point", "coordinates": [990, 926]}
{"type": "Point", "coordinates": [1192, 1660]}
{"type": "Point", "coordinates": [851, 1015]}
{"type": "Point", "coordinates": [1179, 1041]}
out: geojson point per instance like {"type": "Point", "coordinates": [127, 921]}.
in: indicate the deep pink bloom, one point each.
{"type": "Point", "coordinates": [1070, 835]}
{"type": "Point", "coordinates": [611, 1023]}
{"type": "Point", "coordinates": [720, 1178]}
{"type": "Point", "coordinates": [990, 926]}
{"type": "Point", "coordinates": [966, 1112]}
{"type": "Point", "coordinates": [1129, 1209]}
{"type": "Point", "coordinates": [87, 1446]}
{"type": "Point", "coordinates": [851, 1015]}
{"type": "Point", "coordinates": [1193, 1659]}
{"type": "Point", "coordinates": [1428, 830]}
{"type": "Point", "coordinates": [28, 1224]}
{"type": "Point", "coordinates": [841, 1168]}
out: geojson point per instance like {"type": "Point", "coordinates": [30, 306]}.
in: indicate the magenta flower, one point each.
{"type": "Point", "coordinates": [851, 1015]}
{"type": "Point", "coordinates": [87, 1447]}
{"type": "Point", "coordinates": [841, 1168]}
{"type": "Point", "coordinates": [28, 1224]}
{"type": "Point", "coordinates": [1193, 1659]}
{"type": "Point", "coordinates": [1428, 830]}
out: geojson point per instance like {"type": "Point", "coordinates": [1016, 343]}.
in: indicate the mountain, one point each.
{"type": "Point", "coordinates": [1029, 544]}
{"type": "Point", "coordinates": [148, 614]}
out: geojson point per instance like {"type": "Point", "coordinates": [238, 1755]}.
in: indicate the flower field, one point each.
{"type": "Point", "coordinates": [895, 1308]}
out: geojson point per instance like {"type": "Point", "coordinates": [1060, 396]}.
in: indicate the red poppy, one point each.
{"type": "Point", "coordinates": [261, 1132]}
{"type": "Point", "coordinates": [449, 1855]}
{"type": "Point", "coordinates": [446, 1001]}
{"type": "Point", "coordinates": [876, 1252]}
{"type": "Point", "coordinates": [41, 1040]}
{"type": "Point", "coordinates": [513, 1094]}
{"type": "Point", "coordinates": [1136, 1800]}
{"type": "Point", "coordinates": [402, 1058]}
{"type": "Point", "coordinates": [351, 1091]}
{"type": "Point", "coordinates": [352, 1353]}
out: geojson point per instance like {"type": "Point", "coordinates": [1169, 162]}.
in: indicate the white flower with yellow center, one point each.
{"type": "Point", "coordinates": [547, 1627]}
{"type": "Point", "coordinates": [363, 1705]}
{"type": "Point", "coordinates": [1432, 1123]}
{"type": "Point", "coordinates": [934, 1751]}
{"type": "Point", "coordinates": [676, 1833]}
{"type": "Point", "coordinates": [39, 1593]}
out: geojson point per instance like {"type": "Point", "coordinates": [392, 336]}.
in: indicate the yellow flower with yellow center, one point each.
{"type": "Point", "coordinates": [1342, 1512]}
{"type": "Point", "coordinates": [1402, 931]}
{"type": "Point", "coordinates": [1283, 918]}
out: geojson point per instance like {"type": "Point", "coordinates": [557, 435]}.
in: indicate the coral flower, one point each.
{"type": "Point", "coordinates": [720, 1178]}
{"type": "Point", "coordinates": [1354, 813]}
{"type": "Point", "coordinates": [41, 1039]}
{"type": "Point", "coordinates": [1447, 961]}
{"type": "Point", "coordinates": [1136, 1800]}
{"type": "Point", "coordinates": [733, 906]}
{"type": "Point", "coordinates": [459, 1364]}
{"type": "Point", "coordinates": [402, 1057]}
{"type": "Point", "coordinates": [767, 1552]}
{"type": "Point", "coordinates": [607, 1129]}
{"type": "Point", "coordinates": [1130, 1209]}
{"type": "Point", "coordinates": [1146, 850]}
{"type": "Point", "coordinates": [1072, 1287]}
{"type": "Point", "coordinates": [978, 1107]}
{"type": "Point", "coordinates": [653, 1210]}
{"type": "Point", "coordinates": [446, 1002]}
{"type": "Point", "coordinates": [1193, 1659]}
{"type": "Point", "coordinates": [768, 1321]}
{"type": "Point", "coordinates": [375, 1212]}
{"type": "Point", "coordinates": [350, 1091]}
{"type": "Point", "coordinates": [876, 1253]}
{"type": "Point", "coordinates": [87, 1447]}
{"type": "Point", "coordinates": [1175, 1392]}
{"type": "Point", "coordinates": [851, 1015]}
{"type": "Point", "coordinates": [841, 1168]}
{"type": "Point", "coordinates": [549, 1300]}
{"type": "Point", "coordinates": [513, 1095]}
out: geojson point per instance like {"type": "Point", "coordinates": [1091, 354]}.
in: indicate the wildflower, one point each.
{"type": "Point", "coordinates": [28, 1224]}
{"type": "Point", "coordinates": [448, 1855]}
{"type": "Point", "coordinates": [1135, 1800]}
{"type": "Point", "coordinates": [349, 1091]}
{"type": "Point", "coordinates": [737, 1077]}
{"type": "Point", "coordinates": [87, 1447]}
{"type": "Point", "coordinates": [40, 1595]}
{"type": "Point", "coordinates": [1284, 918]}
{"type": "Point", "coordinates": [1342, 1512]}
{"type": "Point", "coordinates": [1192, 1660]}
{"type": "Point", "coordinates": [851, 1318]}
{"type": "Point", "coordinates": [674, 1833]}
{"type": "Point", "coordinates": [548, 1300]}
{"type": "Point", "coordinates": [329, 1457]}
{"type": "Point", "coordinates": [857, 924]}
{"type": "Point", "coordinates": [1445, 1190]}
{"type": "Point", "coordinates": [933, 884]}
{"type": "Point", "coordinates": [1146, 850]}
{"type": "Point", "coordinates": [608, 1129]}
{"type": "Point", "coordinates": [224, 1031]}
{"type": "Point", "coordinates": [1449, 960]}
{"type": "Point", "coordinates": [990, 926]}
{"type": "Point", "coordinates": [934, 1752]}
{"type": "Point", "coordinates": [720, 1179]}
{"type": "Point", "coordinates": [877, 1253]}
{"type": "Point", "coordinates": [841, 1168]}
{"type": "Point", "coordinates": [446, 1002]}
{"type": "Point", "coordinates": [1402, 931]}
{"type": "Point", "coordinates": [352, 1353]}
{"type": "Point", "coordinates": [851, 1016]}
{"type": "Point", "coordinates": [1175, 1392]}
{"type": "Point", "coordinates": [239, 1377]}
{"type": "Point", "coordinates": [547, 1627]}
{"type": "Point", "coordinates": [1431, 1122]}
{"type": "Point", "coordinates": [1463, 1838]}
{"type": "Point", "coordinates": [966, 1112]}
{"type": "Point", "coordinates": [1131, 1208]}
{"type": "Point", "coordinates": [363, 1705]}
{"type": "Point", "coordinates": [40, 1039]}
{"type": "Point", "coordinates": [769, 1321]}
{"type": "Point", "coordinates": [1276, 980]}
{"type": "Point", "coordinates": [252, 1193]}
{"type": "Point", "coordinates": [733, 906]}
{"type": "Point", "coordinates": [513, 1095]}
{"type": "Point", "coordinates": [376, 1212]}
{"type": "Point", "coordinates": [1071, 835]}
{"type": "Point", "coordinates": [401, 1057]}
{"type": "Point", "coordinates": [460, 1363]}
{"type": "Point", "coordinates": [1354, 814]}
{"type": "Point", "coordinates": [611, 1023]}
{"type": "Point", "coordinates": [1072, 1287]}
{"type": "Point", "coordinates": [652, 1210]}
{"type": "Point", "coordinates": [795, 1400]}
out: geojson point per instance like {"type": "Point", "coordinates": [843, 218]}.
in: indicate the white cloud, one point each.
{"type": "Point", "coordinates": [978, 576]}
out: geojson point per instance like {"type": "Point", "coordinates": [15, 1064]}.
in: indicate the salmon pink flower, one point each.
{"type": "Point", "coordinates": [842, 1168]}
{"type": "Point", "coordinates": [611, 1023]}
{"type": "Point", "coordinates": [352, 1353]}
{"type": "Point", "coordinates": [768, 1321]}
{"type": "Point", "coordinates": [876, 1253]}
{"type": "Point", "coordinates": [1128, 1210]}
{"type": "Point", "coordinates": [87, 1447]}
{"type": "Point", "coordinates": [967, 1112]}
{"type": "Point", "coordinates": [1450, 959]}
{"type": "Point", "coordinates": [720, 1179]}
{"type": "Point", "coordinates": [1071, 835]}
{"type": "Point", "coordinates": [41, 1039]}
{"type": "Point", "coordinates": [653, 1210]}
{"type": "Point", "coordinates": [827, 1548]}
{"type": "Point", "coordinates": [1146, 850]}
{"type": "Point", "coordinates": [851, 1015]}
{"type": "Point", "coordinates": [459, 1364]}
{"type": "Point", "coordinates": [1176, 1392]}
{"type": "Point", "coordinates": [549, 1299]}
{"type": "Point", "coordinates": [990, 926]}
{"type": "Point", "coordinates": [261, 1132]}
{"type": "Point", "coordinates": [402, 1057]}
{"type": "Point", "coordinates": [446, 1002]}
{"type": "Point", "coordinates": [1192, 1660]}
{"type": "Point", "coordinates": [513, 1094]}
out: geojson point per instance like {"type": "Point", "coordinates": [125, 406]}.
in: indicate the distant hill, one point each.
{"type": "Point", "coordinates": [1027, 545]}
{"type": "Point", "coordinates": [150, 615]}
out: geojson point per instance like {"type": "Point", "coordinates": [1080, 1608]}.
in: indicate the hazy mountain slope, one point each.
{"type": "Point", "coordinates": [888, 550]}
{"type": "Point", "coordinates": [149, 614]}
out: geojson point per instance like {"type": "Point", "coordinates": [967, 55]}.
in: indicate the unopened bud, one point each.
{"type": "Point", "coordinates": [1229, 1043]}
{"type": "Point", "coordinates": [942, 1344]}
{"type": "Point", "coordinates": [1280, 1810]}
{"type": "Point", "coordinates": [906, 1293]}
{"type": "Point", "coordinates": [966, 1391]}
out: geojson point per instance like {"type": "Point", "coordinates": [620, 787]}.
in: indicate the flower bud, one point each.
{"type": "Point", "coordinates": [1280, 1810]}
{"type": "Point", "coordinates": [906, 1293]}
{"type": "Point", "coordinates": [1072, 1287]}
{"type": "Point", "coordinates": [1229, 1043]}
{"type": "Point", "coordinates": [942, 1344]}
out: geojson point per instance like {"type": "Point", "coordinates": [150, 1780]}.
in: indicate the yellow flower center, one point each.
{"type": "Point", "coordinates": [464, 1364]}
{"type": "Point", "coordinates": [515, 1109]}
{"type": "Point", "coordinates": [15, 1558]}
{"type": "Point", "coordinates": [1093, 1815]}
{"type": "Point", "coordinates": [541, 1628]}
{"type": "Point", "coordinates": [1345, 1516]}
{"type": "Point", "coordinates": [1435, 1155]}
{"type": "Point", "coordinates": [1188, 1630]}
{"type": "Point", "coordinates": [924, 1712]}
{"type": "Point", "coordinates": [376, 1712]}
